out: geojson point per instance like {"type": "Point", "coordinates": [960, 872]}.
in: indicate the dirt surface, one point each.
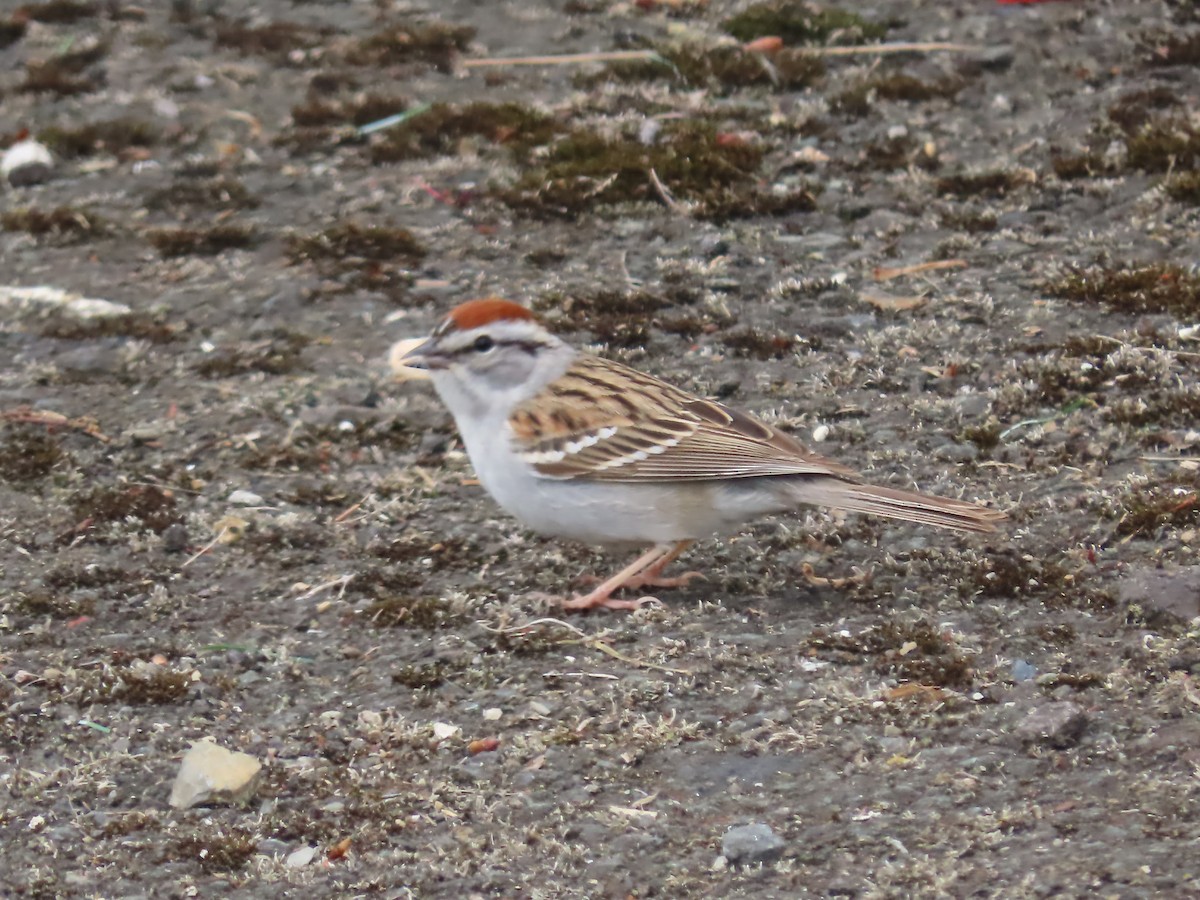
{"type": "Point", "coordinates": [244, 530]}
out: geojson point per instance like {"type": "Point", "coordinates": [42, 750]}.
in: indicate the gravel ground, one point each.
{"type": "Point", "coordinates": [965, 269]}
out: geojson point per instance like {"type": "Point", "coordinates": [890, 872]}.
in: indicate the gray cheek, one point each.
{"type": "Point", "coordinates": [507, 371]}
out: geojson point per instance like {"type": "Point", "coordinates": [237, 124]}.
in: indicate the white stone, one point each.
{"type": "Point", "coordinates": [211, 774]}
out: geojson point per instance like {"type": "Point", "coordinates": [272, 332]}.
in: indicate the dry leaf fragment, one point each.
{"type": "Point", "coordinates": [894, 304]}
{"type": "Point", "coordinates": [483, 745]}
{"type": "Point", "coordinates": [882, 273]}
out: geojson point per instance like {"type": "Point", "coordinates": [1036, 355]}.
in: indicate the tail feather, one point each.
{"type": "Point", "coordinates": [908, 506]}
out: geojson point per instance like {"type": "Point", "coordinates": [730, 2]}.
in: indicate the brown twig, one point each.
{"type": "Point", "coordinates": [883, 274]}
{"type": "Point", "coordinates": [664, 194]}
{"type": "Point", "coordinates": [30, 416]}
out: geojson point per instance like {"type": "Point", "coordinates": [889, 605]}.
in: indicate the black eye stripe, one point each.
{"type": "Point", "coordinates": [530, 347]}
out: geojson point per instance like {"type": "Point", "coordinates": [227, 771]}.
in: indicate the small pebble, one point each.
{"type": "Point", "coordinates": [1058, 725]}
{"type": "Point", "coordinates": [1022, 670]}
{"type": "Point", "coordinates": [245, 498]}
{"type": "Point", "coordinates": [747, 844]}
{"type": "Point", "coordinates": [25, 163]}
{"type": "Point", "coordinates": [298, 859]}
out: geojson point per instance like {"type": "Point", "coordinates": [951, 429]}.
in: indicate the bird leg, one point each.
{"type": "Point", "coordinates": [652, 576]}
{"type": "Point", "coordinates": [602, 595]}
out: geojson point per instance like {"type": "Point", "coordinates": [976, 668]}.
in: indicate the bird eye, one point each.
{"type": "Point", "coordinates": [483, 343]}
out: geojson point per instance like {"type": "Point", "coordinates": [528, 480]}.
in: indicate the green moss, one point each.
{"type": "Point", "coordinates": [916, 652]}
{"type": "Point", "coordinates": [110, 136]}
{"type": "Point", "coordinates": [11, 31]}
{"type": "Point", "coordinates": [718, 69]}
{"type": "Point", "coordinates": [854, 101]}
{"type": "Point", "coordinates": [47, 78]}
{"type": "Point", "coordinates": [60, 12]}
{"type": "Point", "coordinates": [983, 184]}
{"type": "Point", "coordinates": [1184, 188]}
{"type": "Point", "coordinates": [71, 576]}
{"type": "Point", "coordinates": [64, 223]}
{"type": "Point", "coordinates": [1078, 165]}
{"type": "Point", "coordinates": [1147, 510]}
{"type": "Point", "coordinates": [172, 242]}
{"type": "Point", "coordinates": [712, 171]}
{"type": "Point", "coordinates": [1134, 109]}
{"type": "Point", "coordinates": [135, 686]}
{"type": "Point", "coordinates": [744, 204]}
{"type": "Point", "coordinates": [797, 22]}
{"type": "Point", "coordinates": [439, 130]}
{"type": "Point", "coordinates": [54, 604]}
{"type": "Point", "coordinates": [1157, 405]}
{"type": "Point", "coordinates": [316, 112]}
{"type": "Point", "coordinates": [395, 606]}
{"type": "Point", "coordinates": [1010, 575]}
{"type": "Point", "coordinates": [274, 39]}
{"type": "Point", "coordinates": [61, 74]}
{"type": "Point", "coordinates": [28, 454]}
{"type": "Point", "coordinates": [615, 318]}
{"type": "Point", "coordinates": [1172, 48]}
{"type": "Point", "coordinates": [214, 849]}
{"type": "Point", "coordinates": [1164, 145]}
{"type": "Point", "coordinates": [435, 43]}
{"type": "Point", "coordinates": [424, 613]}
{"type": "Point", "coordinates": [894, 153]}
{"type": "Point", "coordinates": [1156, 288]}
{"type": "Point", "coordinates": [1089, 346]}
{"type": "Point", "coordinates": [986, 436]}
{"type": "Point", "coordinates": [152, 506]}
{"type": "Point", "coordinates": [969, 221]}
{"type": "Point", "coordinates": [750, 342]}
{"type": "Point", "coordinates": [141, 326]}
{"type": "Point", "coordinates": [280, 354]}
{"type": "Point", "coordinates": [353, 243]}
{"type": "Point", "coordinates": [858, 99]}
{"type": "Point", "coordinates": [448, 553]}
{"type": "Point", "coordinates": [427, 675]}
{"type": "Point", "coordinates": [211, 193]}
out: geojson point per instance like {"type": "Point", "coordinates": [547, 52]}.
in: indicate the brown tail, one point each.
{"type": "Point", "coordinates": [893, 504]}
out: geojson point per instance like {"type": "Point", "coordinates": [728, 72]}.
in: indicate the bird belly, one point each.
{"type": "Point", "coordinates": [608, 512]}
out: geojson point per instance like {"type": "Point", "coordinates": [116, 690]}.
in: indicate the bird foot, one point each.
{"type": "Point", "coordinates": [637, 582]}
{"type": "Point", "coordinates": [603, 601]}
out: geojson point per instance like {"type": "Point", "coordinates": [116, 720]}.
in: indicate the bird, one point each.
{"type": "Point", "coordinates": [583, 448]}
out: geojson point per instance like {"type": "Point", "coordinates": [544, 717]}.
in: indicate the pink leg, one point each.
{"type": "Point", "coordinates": [602, 595]}
{"type": "Point", "coordinates": [652, 575]}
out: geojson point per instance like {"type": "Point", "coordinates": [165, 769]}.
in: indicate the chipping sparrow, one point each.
{"type": "Point", "coordinates": [580, 447]}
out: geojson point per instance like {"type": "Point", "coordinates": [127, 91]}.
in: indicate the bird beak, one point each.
{"type": "Point", "coordinates": [411, 359]}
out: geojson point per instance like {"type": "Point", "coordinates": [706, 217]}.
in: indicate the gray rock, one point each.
{"type": "Point", "coordinates": [175, 538]}
{"type": "Point", "coordinates": [748, 844]}
{"type": "Point", "coordinates": [997, 58]}
{"type": "Point", "coordinates": [1058, 725]}
{"type": "Point", "coordinates": [1166, 596]}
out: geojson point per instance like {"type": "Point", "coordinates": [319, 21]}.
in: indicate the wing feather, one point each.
{"type": "Point", "coordinates": [637, 428]}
